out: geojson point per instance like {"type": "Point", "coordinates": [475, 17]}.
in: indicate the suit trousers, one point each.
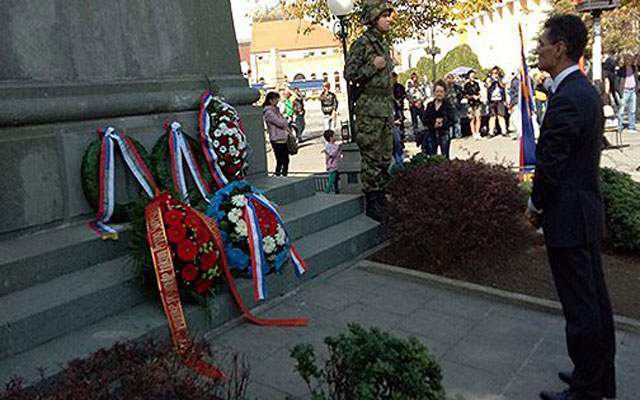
{"type": "Point", "coordinates": [590, 334]}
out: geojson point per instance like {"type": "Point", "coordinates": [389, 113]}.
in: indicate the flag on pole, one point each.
{"type": "Point", "coordinates": [525, 108]}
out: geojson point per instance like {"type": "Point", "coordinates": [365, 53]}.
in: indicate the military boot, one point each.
{"type": "Point", "coordinates": [374, 202]}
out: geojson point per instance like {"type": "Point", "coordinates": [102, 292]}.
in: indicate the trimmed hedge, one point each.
{"type": "Point", "coordinates": [622, 209]}
{"type": "Point", "coordinates": [454, 212]}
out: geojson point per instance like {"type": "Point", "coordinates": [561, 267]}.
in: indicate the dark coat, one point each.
{"type": "Point", "coordinates": [566, 185]}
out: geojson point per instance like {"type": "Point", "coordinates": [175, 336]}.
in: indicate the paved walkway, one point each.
{"type": "Point", "coordinates": [488, 350]}
{"type": "Point", "coordinates": [497, 150]}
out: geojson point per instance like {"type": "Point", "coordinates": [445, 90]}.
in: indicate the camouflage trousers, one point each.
{"type": "Point", "coordinates": [375, 141]}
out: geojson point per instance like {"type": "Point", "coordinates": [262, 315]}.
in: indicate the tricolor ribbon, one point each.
{"type": "Point", "coordinates": [137, 167]}
{"type": "Point", "coordinates": [180, 150]}
{"type": "Point", "coordinates": [258, 262]}
{"type": "Point", "coordinates": [207, 141]}
{"type": "Point", "coordinates": [217, 239]}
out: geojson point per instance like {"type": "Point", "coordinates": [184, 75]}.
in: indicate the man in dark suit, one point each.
{"type": "Point", "coordinates": [566, 201]}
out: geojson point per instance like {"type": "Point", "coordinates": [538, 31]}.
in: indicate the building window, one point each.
{"type": "Point", "coordinates": [336, 77]}
{"type": "Point", "coordinates": [299, 77]}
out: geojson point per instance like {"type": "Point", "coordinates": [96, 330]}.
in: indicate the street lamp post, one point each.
{"type": "Point", "coordinates": [433, 50]}
{"type": "Point", "coordinates": [349, 167]}
{"type": "Point", "coordinates": [342, 8]}
{"type": "Point", "coordinates": [596, 7]}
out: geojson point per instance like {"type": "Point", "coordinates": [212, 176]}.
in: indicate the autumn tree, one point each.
{"type": "Point", "coordinates": [411, 19]}
{"type": "Point", "coordinates": [620, 27]}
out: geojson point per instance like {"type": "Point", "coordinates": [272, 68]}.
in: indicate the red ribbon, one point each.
{"type": "Point", "coordinates": [217, 238]}
{"type": "Point", "coordinates": [168, 288]}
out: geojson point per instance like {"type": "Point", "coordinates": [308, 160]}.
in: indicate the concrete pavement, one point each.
{"type": "Point", "coordinates": [487, 349]}
{"type": "Point", "coordinates": [499, 150]}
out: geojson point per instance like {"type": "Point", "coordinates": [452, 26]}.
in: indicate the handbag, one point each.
{"type": "Point", "coordinates": [292, 141]}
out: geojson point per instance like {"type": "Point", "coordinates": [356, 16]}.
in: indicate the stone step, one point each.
{"type": "Point", "coordinates": [321, 250]}
{"type": "Point", "coordinates": [40, 313]}
{"type": "Point", "coordinates": [31, 259]}
{"type": "Point", "coordinates": [283, 190]}
{"type": "Point", "coordinates": [29, 317]}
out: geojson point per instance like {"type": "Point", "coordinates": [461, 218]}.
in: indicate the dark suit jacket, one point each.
{"type": "Point", "coordinates": [566, 186]}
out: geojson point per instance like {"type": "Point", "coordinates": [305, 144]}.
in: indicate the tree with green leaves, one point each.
{"type": "Point", "coordinates": [411, 19]}
{"type": "Point", "coordinates": [460, 56]}
{"type": "Point", "coordinates": [620, 27]}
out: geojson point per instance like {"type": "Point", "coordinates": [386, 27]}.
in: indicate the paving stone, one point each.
{"type": "Point", "coordinates": [278, 371]}
{"type": "Point", "coordinates": [357, 279]}
{"type": "Point", "coordinates": [393, 300]}
{"type": "Point", "coordinates": [438, 326]}
{"type": "Point", "coordinates": [629, 342]}
{"type": "Point", "coordinates": [497, 344]}
{"type": "Point", "coordinates": [474, 308]}
{"type": "Point", "coordinates": [329, 296]}
{"type": "Point", "coordinates": [369, 317]}
{"type": "Point", "coordinates": [530, 381]}
{"type": "Point", "coordinates": [260, 391]}
{"type": "Point", "coordinates": [528, 315]}
{"type": "Point", "coordinates": [435, 348]}
{"type": "Point", "coordinates": [462, 382]}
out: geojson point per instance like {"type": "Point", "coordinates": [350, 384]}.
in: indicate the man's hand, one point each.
{"type": "Point", "coordinates": [379, 62]}
{"type": "Point", "coordinates": [533, 218]}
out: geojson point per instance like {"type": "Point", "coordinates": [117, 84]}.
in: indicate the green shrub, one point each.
{"type": "Point", "coordinates": [417, 161]}
{"type": "Point", "coordinates": [454, 212]}
{"type": "Point", "coordinates": [622, 209]}
{"type": "Point", "coordinates": [370, 365]}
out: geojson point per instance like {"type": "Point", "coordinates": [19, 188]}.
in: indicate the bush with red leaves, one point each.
{"type": "Point", "coordinates": [148, 370]}
{"type": "Point", "coordinates": [452, 212]}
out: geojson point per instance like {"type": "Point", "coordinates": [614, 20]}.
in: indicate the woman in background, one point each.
{"type": "Point", "coordinates": [277, 129]}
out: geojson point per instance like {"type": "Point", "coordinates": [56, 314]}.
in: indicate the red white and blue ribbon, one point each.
{"type": "Point", "coordinates": [207, 142]}
{"type": "Point", "coordinates": [180, 150]}
{"type": "Point", "coordinates": [258, 262]}
{"type": "Point", "coordinates": [110, 138]}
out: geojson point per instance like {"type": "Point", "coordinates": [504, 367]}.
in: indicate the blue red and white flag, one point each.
{"type": "Point", "coordinates": [525, 108]}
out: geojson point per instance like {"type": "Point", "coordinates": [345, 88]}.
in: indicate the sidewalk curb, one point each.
{"type": "Point", "coordinates": [622, 323]}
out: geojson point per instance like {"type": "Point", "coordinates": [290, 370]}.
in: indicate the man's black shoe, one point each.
{"type": "Point", "coordinates": [566, 377]}
{"type": "Point", "coordinates": [566, 395]}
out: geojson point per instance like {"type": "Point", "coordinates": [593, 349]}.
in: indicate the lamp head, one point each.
{"type": "Point", "coordinates": [340, 8]}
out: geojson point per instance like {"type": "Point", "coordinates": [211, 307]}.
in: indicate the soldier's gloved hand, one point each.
{"type": "Point", "coordinates": [379, 62]}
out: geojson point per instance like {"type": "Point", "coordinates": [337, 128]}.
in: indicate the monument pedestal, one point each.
{"type": "Point", "coordinates": [349, 169]}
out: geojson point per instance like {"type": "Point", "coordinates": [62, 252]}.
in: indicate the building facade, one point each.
{"type": "Point", "coordinates": [288, 50]}
{"type": "Point", "coordinates": [492, 35]}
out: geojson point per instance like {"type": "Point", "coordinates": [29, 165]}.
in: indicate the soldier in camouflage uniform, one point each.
{"type": "Point", "coordinates": [368, 69]}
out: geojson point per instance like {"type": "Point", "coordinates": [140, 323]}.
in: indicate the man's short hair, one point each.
{"type": "Point", "coordinates": [570, 30]}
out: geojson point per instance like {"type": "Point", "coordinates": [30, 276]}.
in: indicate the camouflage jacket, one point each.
{"type": "Point", "coordinates": [374, 86]}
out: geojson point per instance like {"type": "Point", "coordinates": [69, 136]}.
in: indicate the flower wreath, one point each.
{"type": "Point", "coordinates": [227, 209]}
{"type": "Point", "coordinates": [195, 256]}
{"type": "Point", "coordinates": [223, 140]}
{"type": "Point", "coordinates": [90, 178]}
{"type": "Point", "coordinates": [160, 164]}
